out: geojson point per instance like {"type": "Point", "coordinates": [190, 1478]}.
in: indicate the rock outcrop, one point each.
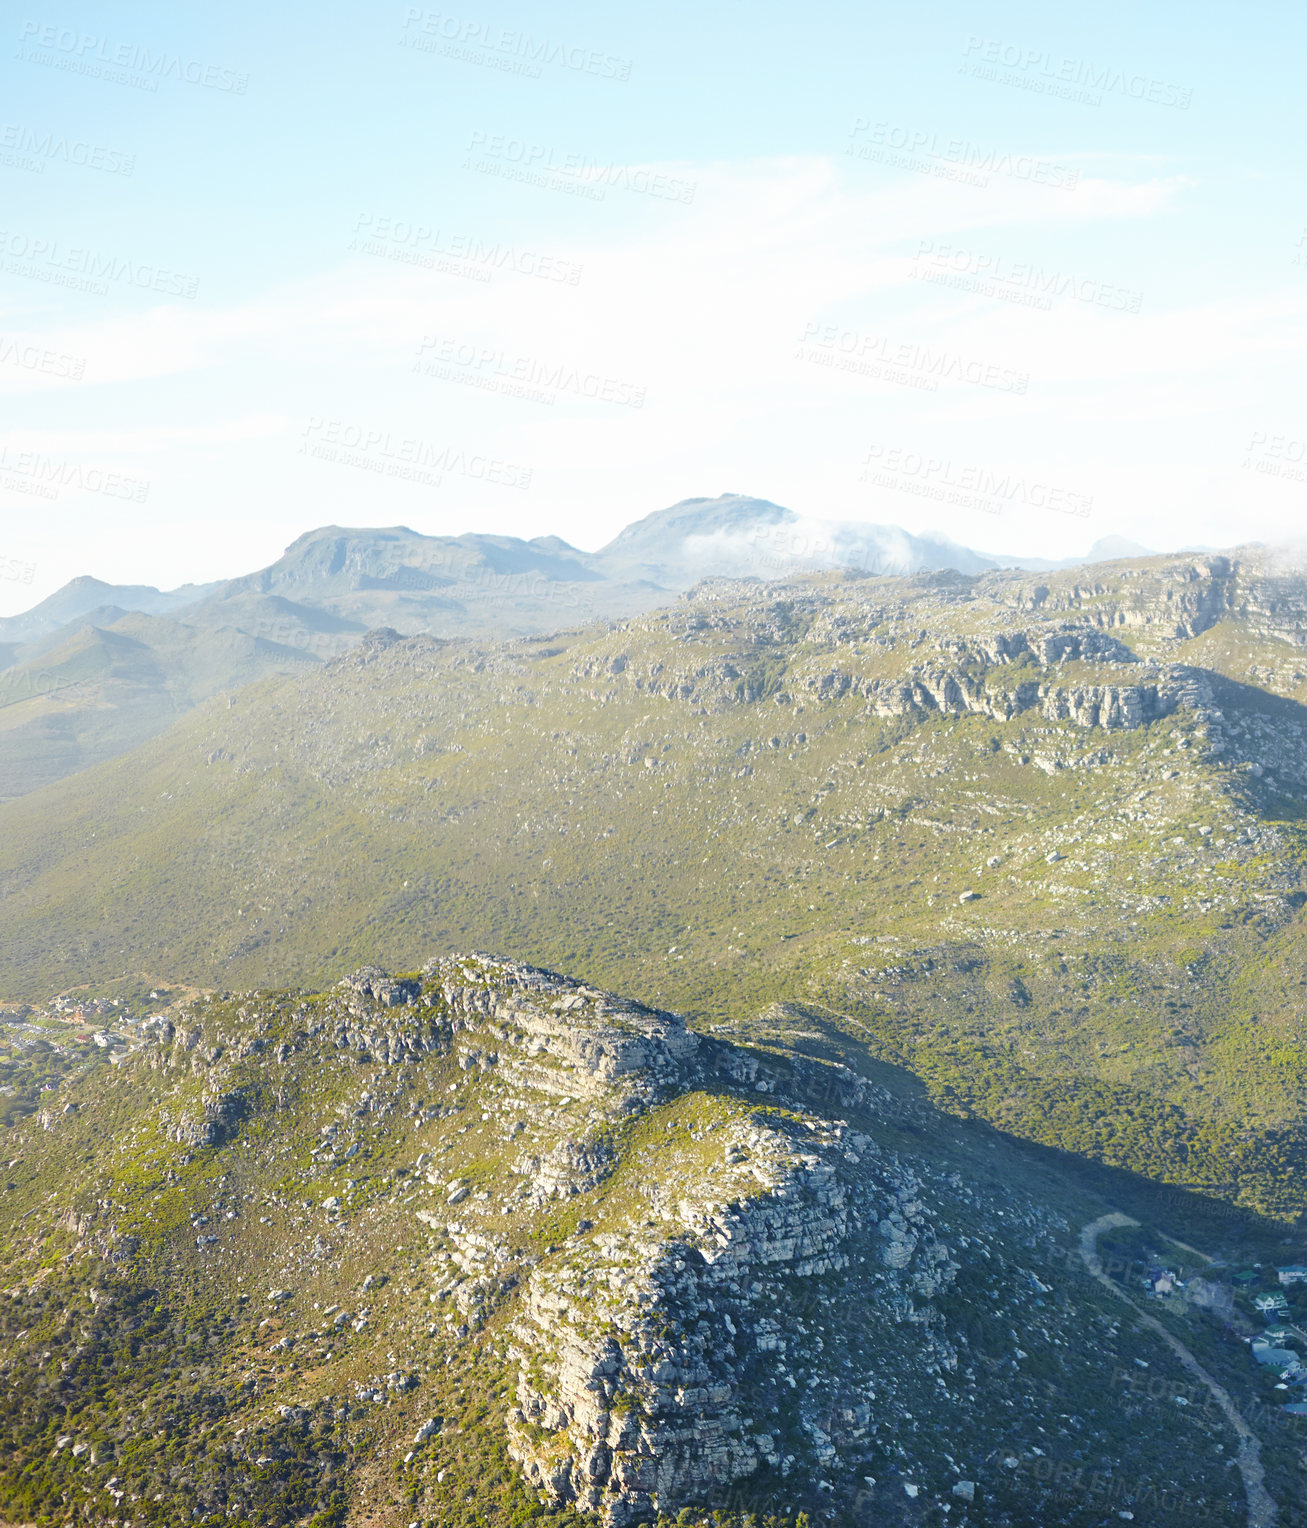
{"type": "Point", "coordinates": [1110, 705]}
{"type": "Point", "coordinates": [683, 1273]}
{"type": "Point", "coordinates": [728, 1211]}
{"type": "Point", "coordinates": [651, 1349]}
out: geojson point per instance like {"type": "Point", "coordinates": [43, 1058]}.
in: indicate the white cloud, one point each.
{"type": "Point", "coordinates": [793, 230]}
{"type": "Point", "coordinates": [702, 306]}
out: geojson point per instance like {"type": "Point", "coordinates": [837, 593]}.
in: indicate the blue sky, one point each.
{"type": "Point", "coordinates": [1021, 277]}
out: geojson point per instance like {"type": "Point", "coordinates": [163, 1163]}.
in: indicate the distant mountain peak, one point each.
{"type": "Point", "coordinates": [84, 594]}
{"type": "Point", "coordinates": [1113, 548]}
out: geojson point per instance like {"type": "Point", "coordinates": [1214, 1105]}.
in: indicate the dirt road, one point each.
{"type": "Point", "coordinates": [1262, 1511]}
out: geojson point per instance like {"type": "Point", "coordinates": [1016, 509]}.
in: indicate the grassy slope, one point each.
{"type": "Point", "coordinates": [103, 690]}
{"type": "Point", "coordinates": [673, 809]}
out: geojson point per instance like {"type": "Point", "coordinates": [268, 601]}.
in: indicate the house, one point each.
{"type": "Point", "coordinates": [1271, 1304]}
{"type": "Point", "coordinates": [1273, 1358]}
{"type": "Point", "coordinates": [1245, 1277]}
{"type": "Point", "coordinates": [1295, 1273]}
{"type": "Point", "coordinates": [1165, 1283]}
{"type": "Point", "coordinates": [1296, 1408]}
{"type": "Point", "coordinates": [1277, 1335]}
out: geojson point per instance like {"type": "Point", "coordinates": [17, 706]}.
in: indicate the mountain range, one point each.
{"type": "Point", "coordinates": [96, 668]}
{"type": "Point", "coordinates": [880, 1095]}
{"type": "Point", "coordinates": [1036, 833]}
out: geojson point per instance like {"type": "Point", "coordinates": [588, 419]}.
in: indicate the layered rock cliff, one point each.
{"type": "Point", "coordinates": [651, 1360]}
{"type": "Point", "coordinates": [341, 1253]}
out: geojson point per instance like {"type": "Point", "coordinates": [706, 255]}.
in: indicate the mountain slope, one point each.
{"type": "Point", "coordinates": [467, 584]}
{"type": "Point", "coordinates": [81, 596]}
{"type": "Point", "coordinates": [484, 1245]}
{"type": "Point", "coordinates": [334, 583]}
{"type": "Point", "coordinates": [93, 693]}
{"type": "Point", "coordinates": [1035, 839]}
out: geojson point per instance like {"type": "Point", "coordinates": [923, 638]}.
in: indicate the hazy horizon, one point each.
{"type": "Point", "coordinates": [554, 269]}
{"type": "Point", "coordinates": [814, 527]}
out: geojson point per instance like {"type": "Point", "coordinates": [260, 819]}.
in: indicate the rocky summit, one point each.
{"type": "Point", "coordinates": [481, 1243]}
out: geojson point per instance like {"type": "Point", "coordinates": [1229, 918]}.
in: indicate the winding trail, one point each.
{"type": "Point", "coordinates": [1262, 1511]}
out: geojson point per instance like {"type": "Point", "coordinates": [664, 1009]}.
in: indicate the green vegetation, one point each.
{"type": "Point", "coordinates": [717, 807]}
{"type": "Point", "coordinates": [240, 1275]}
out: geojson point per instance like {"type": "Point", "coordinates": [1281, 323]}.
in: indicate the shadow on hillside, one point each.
{"type": "Point", "coordinates": [1214, 1226]}
{"type": "Point", "coordinates": [1234, 695]}
{"type": "Point", "coordinates": [1221, 1230]}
